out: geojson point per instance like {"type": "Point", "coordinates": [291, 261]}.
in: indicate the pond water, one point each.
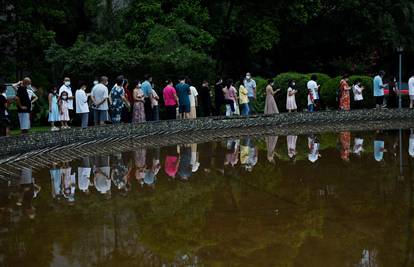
{"type": "Point", "coordinates": [342, 199]}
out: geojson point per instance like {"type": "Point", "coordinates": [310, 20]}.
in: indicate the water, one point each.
{"type": "Point", "coordinates": [319, 200]}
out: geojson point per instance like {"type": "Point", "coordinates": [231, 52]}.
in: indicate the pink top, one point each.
{"type": "Point", "coordinates": [230, 94]}
{"type": "Point", "coordinates": [168, 93]}
{"type": "Point", "coordinates": [171, 165]}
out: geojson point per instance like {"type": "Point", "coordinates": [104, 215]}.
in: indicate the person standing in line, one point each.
{"type": "Point", "coordinates": [311, 103]}
{"type": "Point", "coordinates": [138, 113]}
{"type": "Point", "coordinates": [183, 93]}
{"type": "Point", "coordinates": [392, 100]}
{"type": "Point", "coordinates": [126, 115]}
{"type": "Point", "coordinates": [205, 99]}
{"type": "Point", "coordinates": [291, 97]}
{"type": "Point", "coordinates": [193, 102]}
{"type": "Point", "coordinates": [230, 98]}
{"type": "Point", "coordinates": [358, 97]}
{"type": "Point", "coordinates": [345, 100]}
{"type": "Point", "coordinates": [147, 89]}
{"type": "Point", "coordinates": [411, 91]}
{"type": "Point", "coordinates": [379, 90]}
{"type": "Point", "coordinates": [314, 88]}
{"type": "Point", "coordinates": [170, 100]}
{"type": "Point", "coordinates": [100, 97]}
{"type": "Point", "coordinates": [54, 115]}
{"type": "Point", "coordinates": [250, 85]}
{"type": "Point", "coordinates": [155, 105]}
{"type": "Point", "coordinates": [270, 105]}
{"type": "Point", "coordinates": [82, 108]}
{"type": "Point", "coordinates": [4, 120]}
{"type": "Point", "coordinates": [218, 96]}
{"type": "Point", "coordinates": [24, 104]}
{"type": "Point", "coordinates": [64, 109]}
{"type": "Point", "coordinates": [117, 100]}
{"type": "Point", "coordinates": [244, 99]}
{"type": "Point", "coordinates": [66, 88]}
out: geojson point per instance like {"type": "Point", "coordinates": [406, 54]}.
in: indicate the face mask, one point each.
{"type": "Point", "coordinates": [293, 84]}
{"type": "Point", "coordinates": [95, 82]}
{"type": "Point", "coordinates": [67, 83]}
{"type": "Point", "coordinates": [248, 77]}
{"type": "Point", "coordinates": [64, 97]}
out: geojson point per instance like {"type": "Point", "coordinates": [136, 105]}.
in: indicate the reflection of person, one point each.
{"type": "Point", "coordinates": [358, 146]}
{"type": "Point", "coordinates": [195, 164]}
{"type": "Point", "coordinates": [84, 174]}
{"type": "Point", "coordinates": [345, 138]}
{"type": "Point", "coordinates": [314, 145]}
{"type": "Point", "coordinates": [118, 171]}
{"type": "Point", "coordinates": [185, 169]}
{"type": "Point", "coordinates": [291, 145]}
{"type": "Point", "coordinates": [140, 156]}
{"type": "Point", "coordinates": [171, 165]}
{"type": "Point", "coordinates": [379, 147]}
{"type": "Point", "coordinates": [68, 184]}
{"type": "Point", "coordinates": [102, 171]}
{"type": "Point", "coordinates": [232, 154]}
{"type": "Point", "coordinates": [56, 180]}
{"type": "Point", "coordinates": [411, 144]}
{"type": "Point", "coordinates": [28, 191]}
{"type": "Point", "coordinates": [271, 142]}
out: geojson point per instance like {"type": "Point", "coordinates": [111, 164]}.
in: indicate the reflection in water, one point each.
{"type": "Point", "coordinates": [237, 202]}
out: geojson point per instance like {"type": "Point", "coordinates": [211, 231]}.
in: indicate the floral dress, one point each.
{"type": "Point", "coordinates": [345, 100]}
{"type": "Point", "coordinates": [138, 114]}
{"type": "Point", "coordinates": [117, 94]}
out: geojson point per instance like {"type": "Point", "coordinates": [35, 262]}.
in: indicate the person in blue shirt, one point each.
{"type": "Point", "coordinates": [379, 89]}
{"type": "Point", "coordinates": [183, 93]}
{"type": "Point", "coordinates": [147, 89]}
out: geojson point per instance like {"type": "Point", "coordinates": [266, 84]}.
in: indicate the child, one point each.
{"type": "Point", "coordinates": [64, 110]}
{"type": "Point", "coordinates": [291, 97]}
{"type": "Point", "coordinates": [54, 115]}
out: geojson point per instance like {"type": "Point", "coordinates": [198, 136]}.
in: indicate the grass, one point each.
{"type": "Point", "coordinates": [39, 129]}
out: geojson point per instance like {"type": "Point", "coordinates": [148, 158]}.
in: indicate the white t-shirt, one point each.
{"type": "Point", "coordinates": [411, 86]}
{"type": "Point", "coordinates": [357, 93]}
{"type": "Point", "coordinates": [192, 96]}
{"type": "Point", "coordinates": [5, 96]}
{"type": "Point", "coordinates": [312, 85]}
{"type": "Point", "coordinates": [64, 88]}
{"type": "Point", "coordinates": [83, 178]}
{"type": "Point", "coordinates": [358, 142]}
{"type": "Point", "coordinates": [99, 93]}
{"type": "Point", "coordinates": [103, 182]}
{"type": "Point", "coordinates": [81, 101]}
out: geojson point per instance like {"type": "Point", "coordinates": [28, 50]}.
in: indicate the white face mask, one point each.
{"type": "Point", "coordinates": [95, 82]}
{"type": "Point", "coordinates": [293, 84]}
{"type": "Point", "coordinates": [64, 97]}
{"type": "Point", "coordinates": [67, 83]}
{"type": "Point", "coordinates": [248, 77]}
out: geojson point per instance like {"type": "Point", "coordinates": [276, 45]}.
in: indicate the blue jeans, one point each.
{"type": "Point", "coordinates": [311, 108]}
{"type": "Point", "coordinates": [244, 109]}
{"type": "Point", "coordinates": [155, 113]}
{"type": "Point", "coordinates": [251, 99]}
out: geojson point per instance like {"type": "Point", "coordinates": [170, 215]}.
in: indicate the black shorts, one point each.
{"type": "Point", "coordinates": [379, 100]}
{"type": "Point", "coordinates": [184, 109]}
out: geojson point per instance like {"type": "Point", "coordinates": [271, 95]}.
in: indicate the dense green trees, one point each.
{"type": "Point", "coordinates": [48, 39]}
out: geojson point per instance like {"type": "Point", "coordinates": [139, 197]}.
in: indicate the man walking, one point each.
{"type": "Point", "coordinates": [250, 85]}
{"type": "Point", "coordinates": [313, 88]}
{"type": "Point", "coordinates": [183, 93]}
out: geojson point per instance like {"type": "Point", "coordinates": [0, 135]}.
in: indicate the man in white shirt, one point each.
{"type": "Point", "coordinates": [193, 102]}
{"type": "Point", "coordinates": [313, 87]}
{"type": "Point", "coordinates": [100, 97]}
{"type": "Point", "coordinates": [411, 91]}
{"type": "Point", "coordinates": [82, 107]}
{"type": "Point", "coordinates": [66, 88]}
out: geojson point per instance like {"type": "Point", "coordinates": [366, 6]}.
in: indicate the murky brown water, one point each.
{"type": "Point", "coordinates": [325, 200]}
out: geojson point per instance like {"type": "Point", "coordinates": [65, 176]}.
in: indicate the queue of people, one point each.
{"type": "Point", "coordinates": [140, 102]}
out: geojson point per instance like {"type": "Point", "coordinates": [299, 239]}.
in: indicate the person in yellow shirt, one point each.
{"type": "Point", "coordinates": [243, 99]}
